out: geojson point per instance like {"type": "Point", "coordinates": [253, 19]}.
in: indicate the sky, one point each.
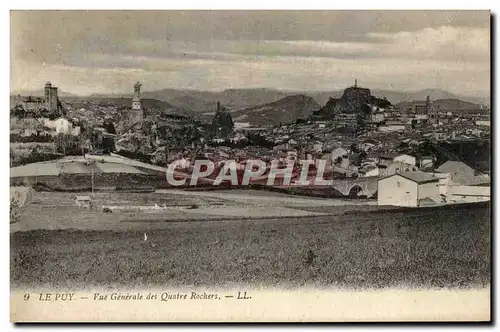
{"type": "Point", "coordinates": [106, 52]}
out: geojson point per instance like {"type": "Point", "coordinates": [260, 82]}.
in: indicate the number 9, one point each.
{"type": "Point", "coordinates": [26, 297]}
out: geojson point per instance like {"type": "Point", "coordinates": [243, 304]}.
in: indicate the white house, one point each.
{"type": "Point", "coordinates": [83, 201]}
{"type": "Point", "coordinates": [390, 128]}
{"type": "Point", "coordinates": [183, 163]}
{"type": "Point", "coordinates": [75, 131]}
{"type": "Point", "coordinates": [407, 159]}
{"type": "Point", "coordinates": [377, 117]}
{"type": "Point", "coordinates": [444, 184]}
{"type": "Point", "coordinates": [469, 194]}
{"type": "Point", "coordinates": [486, 123]}
{"type": "Point", "coordinates": [60, 125]}
{"type": "Point", "coordinates": [241, 125]}
{"type": "Point", "coordinates": [388, 167]}
{"type": "Point", "coordinates": [411, 189]}
{"type": "Point", "coordinates": [318, 146]}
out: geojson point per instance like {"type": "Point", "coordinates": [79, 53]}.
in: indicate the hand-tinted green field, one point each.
{"type": "Point", "coordinates": [429, 247]}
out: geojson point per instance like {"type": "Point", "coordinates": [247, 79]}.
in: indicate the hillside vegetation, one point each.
{"type": "Point", "coordinates": [285, 110]}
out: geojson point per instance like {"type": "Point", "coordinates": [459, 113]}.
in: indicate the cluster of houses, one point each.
{"type": "Point", "coordinates": [403, 180]}
{"type": "Point", "coordinates": [451, 183]}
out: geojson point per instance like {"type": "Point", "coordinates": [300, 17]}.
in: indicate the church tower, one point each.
{"type": "Point", "coordinates": [137, 114]}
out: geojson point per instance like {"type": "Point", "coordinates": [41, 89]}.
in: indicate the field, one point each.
{"type": "Point", "coordinates": [336, 245]}
{"type": "Point", "coordinates": [23, 150]}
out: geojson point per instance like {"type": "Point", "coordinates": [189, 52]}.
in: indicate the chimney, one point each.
{"type": "Point", "coordinates": [218, 107]}
{"type": "Point", "coordinates": [356, 83]}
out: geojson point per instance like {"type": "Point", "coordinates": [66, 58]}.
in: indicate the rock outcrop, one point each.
{"type": "Point", "coordinates": [223, 122]}
{"type": "Point", "coordinates": [353, 101]}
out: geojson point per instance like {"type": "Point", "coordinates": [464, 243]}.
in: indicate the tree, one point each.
{"type": "Point", "coordinates": [15, 207]}
{"type": "Point", "coordinates": [18, 111]}
{"type": "Point", "coordinates": [67, 144]}
{"type": "Point", "coordinates": [414, 124]}
{"type": "Point", "coordinates": [109, 127]}
{"type": "Point", "coordinates": [108, 144]}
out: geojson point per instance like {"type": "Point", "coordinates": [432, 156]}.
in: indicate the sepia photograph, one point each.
{"type": "Point", "coordinates": [250, 165]}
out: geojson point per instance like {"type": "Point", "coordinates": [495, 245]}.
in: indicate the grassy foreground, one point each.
{"type": "Point", "coordinates": [431, 247]}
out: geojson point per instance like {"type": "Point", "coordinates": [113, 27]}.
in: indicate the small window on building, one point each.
{"type": "Point", "coordinates": [398, 184]}
{"type": "Point", "coordinates": [397, 170]}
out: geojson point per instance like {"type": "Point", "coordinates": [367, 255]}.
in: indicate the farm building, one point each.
{"type": "Point", "coordinates": [411, 189]}
{"type": "Point", "coordinates": [469, 194]}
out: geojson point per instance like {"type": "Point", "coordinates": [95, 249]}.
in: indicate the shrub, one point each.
{"type": "Point", "coordinates": [309, 258]}
{"type": "Point", "coordinates": [15, 210]}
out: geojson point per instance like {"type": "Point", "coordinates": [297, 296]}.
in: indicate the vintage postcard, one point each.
{"type": "Point", "coordinates": [250, 166]}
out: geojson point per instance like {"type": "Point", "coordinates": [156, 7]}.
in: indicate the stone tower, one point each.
{"type": "Point", "coordinates": [51, 98]}
{"type": "Point", "coordinates": [137, 114]}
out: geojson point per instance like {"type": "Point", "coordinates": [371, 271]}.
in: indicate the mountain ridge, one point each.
{"type": "Point", "coordinates": [247, 97]}
{"type": "Point", "coordinates": [284, 110]}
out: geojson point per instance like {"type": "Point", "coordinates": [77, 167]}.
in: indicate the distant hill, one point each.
{"type": "Point", "coordinates": [284, 110]}
{"type": "Point", "coordinates": [245, 98]}
{"type": "Point", "coordinates": [147, 103]}
{"type": "Point", "coordinates": [193, 104]}
{"type": "Point", "coordinates": [236, 99]}
{"type": "Point", "coordinates": [233, 98]}
{"type": "Point", "coordinates": [401, 96]}
{"type": "Point", "coordinates": [456, 105]}
{"type": "Point", "coordinates": [240, 98]}
{"type": "Point", "coordinates": [41, 93]}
